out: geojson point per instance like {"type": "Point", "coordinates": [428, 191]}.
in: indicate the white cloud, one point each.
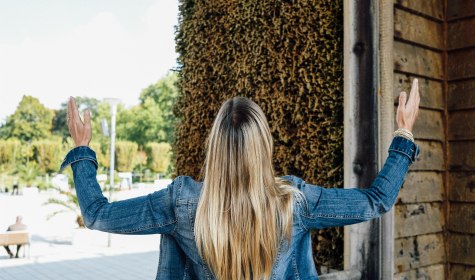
{"type": "Point", "coordinates": [100, 58]}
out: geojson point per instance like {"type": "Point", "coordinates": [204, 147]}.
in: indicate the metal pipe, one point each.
{"type": "Point", "coordinates": [113, 110]}
{"type": "Point", "coordinates": [112, 159]}
{"type": "Point", "coordinates": [386, 124]}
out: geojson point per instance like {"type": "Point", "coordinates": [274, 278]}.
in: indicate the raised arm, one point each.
{"type": "Point", "coordinates": [153, 213]}
{"type": "Point", "coordinates": [337, 207]}
{"type": "Point", "coordinates": [326, 207]}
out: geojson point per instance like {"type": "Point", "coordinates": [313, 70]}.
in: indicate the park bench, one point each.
{"type": "Point", "coordinates": [16, 238]}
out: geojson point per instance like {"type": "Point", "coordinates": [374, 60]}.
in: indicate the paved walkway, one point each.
{"type": "Point", "coordinates": [120, 267]}
{"type": "Point", "coordinates": [60, 251]}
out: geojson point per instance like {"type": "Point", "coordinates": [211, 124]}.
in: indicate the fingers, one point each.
{"type": "Point", "coordinates": [75, 112]}
{"type": "Point", "coordinates": [414, 92]}
{"type": "Point", "coordinates": [69, 113]}
{"type": "Point", "coordinates": [87, 118]}
{"type": "Point", "coordinates": [402, 100]}
{"type": "Point", "coordinates": [418, 99]}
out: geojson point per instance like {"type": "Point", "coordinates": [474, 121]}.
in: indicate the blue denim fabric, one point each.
{"type": "Point", "coordinates": [171, 212]}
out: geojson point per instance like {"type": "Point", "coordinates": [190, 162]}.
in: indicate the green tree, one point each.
{"type": "Point", "coordinates": [165, 94]}
{"type": "Point", "coordinates": [31, 121]}
{"type": "Point", "coordinates": [48, 154]}
{"type": "Point", "coordinates": [102, 154]}
{"type": "Point", "coordinates": [158, 155]}
{"type": "Point", "coordinates": [141, 124]}
{"type": "Point", "coordinates": [126, 156]}
{"type": "Point", "coordinates": [153, 119]}
{"type": "Point", "coordinates": [10, 153]}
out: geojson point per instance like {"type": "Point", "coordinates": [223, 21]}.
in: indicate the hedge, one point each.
{"type": "Point", "coordinates": [125, 155]}
{"type": "Point", "coordinates": [158, 155]}
{"type": "Point", "coordinates": [288, 57]}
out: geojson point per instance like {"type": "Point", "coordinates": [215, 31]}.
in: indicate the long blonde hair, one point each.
{"type": "Point", "coordinates": [244, 211]}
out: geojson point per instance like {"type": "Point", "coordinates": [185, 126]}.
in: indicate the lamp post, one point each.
{"type": "Point", "coordinates": [113, 102]}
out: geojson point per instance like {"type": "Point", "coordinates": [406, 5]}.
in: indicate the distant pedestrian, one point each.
{"type": "Point", "coordinates": [15, 187]}
{"type": "Point", "coordinates": [16, 227]}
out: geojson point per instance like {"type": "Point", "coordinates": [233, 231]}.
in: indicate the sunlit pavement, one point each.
{"type": "Point", "coordinates": [60, 251]}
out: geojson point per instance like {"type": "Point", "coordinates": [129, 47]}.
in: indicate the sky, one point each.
{"type": "Point", "coordinates": [53, 49]}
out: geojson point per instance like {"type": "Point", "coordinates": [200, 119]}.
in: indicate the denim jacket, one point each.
{"type": "Point", "coordinates": [171, 212]}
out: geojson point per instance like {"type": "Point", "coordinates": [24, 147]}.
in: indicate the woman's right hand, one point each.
{"type": "Point", "coordinates": [407, 113]}
{"type": "Point", "coordinates": [80, 131]}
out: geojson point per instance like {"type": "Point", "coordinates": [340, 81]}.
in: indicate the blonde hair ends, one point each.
{"type": "Point", "coordinates": [244, 211]}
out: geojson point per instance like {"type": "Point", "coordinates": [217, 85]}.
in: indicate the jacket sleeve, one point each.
{"type": "Point", "coordinates": [327, 207]}
{"type": "Point", "coordinates": [149, 214]}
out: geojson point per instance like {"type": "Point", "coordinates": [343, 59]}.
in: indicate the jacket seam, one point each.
{"type": "Point", "coordinates": [185, 272]}
{"type": "Point", "coordinates": [179, 180]}
{"type": "Point", "coordinates": [277, 259]}
{"type": "Point", "coordinates": [294, 263]}
{"type": "Point", "coordinates": [313, 217]}
{"type": "Point", "coordinates": [148, 227]}
{"type": "Point", "coordinates": [300, 212]}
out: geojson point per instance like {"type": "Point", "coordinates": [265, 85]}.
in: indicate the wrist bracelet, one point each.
{"type": "Point", "coordinates": [404, 133]}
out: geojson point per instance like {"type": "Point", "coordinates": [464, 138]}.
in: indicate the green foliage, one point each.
{"type": "Point", "coordinates": [10, 153]}
{"type": "Point", "coordinates": [164, 93]}
{"type": "Point", "coordinates": [69, 203]}
{"type": "Point", "coordinates": [30, 121]}
{"type": "Point", "coordinates": [34, 139]}
{"type": "Point", "coordinates": [48, 154]}
{"type": "Point", "coordinates": [102, 153]}
{"type": "Point", "coordinates": [126, 156]}
{"type": "Point", "coordinates": [153, 119]}
{"type": "Point", "coordinates": [158, 155]}
{"type": "Point", "coordinates": [287, 56]}
{"type": "Point", "coordinates": [141, 123]}
{"type": "Point", "coordinates": [28, 173]}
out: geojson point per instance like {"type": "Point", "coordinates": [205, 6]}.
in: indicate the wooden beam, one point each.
{"type": "Point", "coordinates": [461, 125]}
{"type": "Point", "coordinates": [431, 157]}
{"type": "Point", "coordinates": [430, 91]}
{"type": "Point", "coordinates": [461, 248]}
{"type": "Point", "coordinates": [461, 64]}
{"type": "Point", "coordinates": [417, 251]}
{"type": "Point", "coordinates": [462, 186]}
{"type": "Point", "coordinates": [422, 187]}
{"type": "Point", "coordinates": [429, 125]}
{"type": "Point", "coordinates": [431, 8]}
{"type": "Point", "coordinates": [416, 60]}
{"type": "Point", "coordinates": [462, 272]}
{"type": "Point", "coordinates": [417, 219]}
{"type": "Point", "coordinates": [462, 156]}
{"type": "Point", "coordinates": [414, 28]}
{"type": "Point", "coordinates": [462, 217]}
{"type": "Point", "coordinates": [459, 9]}
{"type": "Point", "coordinates": [461, 34]}
{"type": "Point", "coordinates": [461, 95]}
{"type": "Point", "coordinates": [433, 272]}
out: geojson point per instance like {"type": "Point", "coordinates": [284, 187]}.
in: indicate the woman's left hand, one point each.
{"type": "Point", "coordinates": [80, 131]}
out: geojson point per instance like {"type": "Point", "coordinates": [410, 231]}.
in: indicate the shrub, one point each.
{"type": "Point", "coordinates": [10, 153]}
{"type": "Point", "coordinates": [125, 155]}
{"type": "Point", "coordinates": [48, 154]}
{"type": "Point", "coordinates": [103, 158]}
{"type": "Point", "coordinates": [158, 155]}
